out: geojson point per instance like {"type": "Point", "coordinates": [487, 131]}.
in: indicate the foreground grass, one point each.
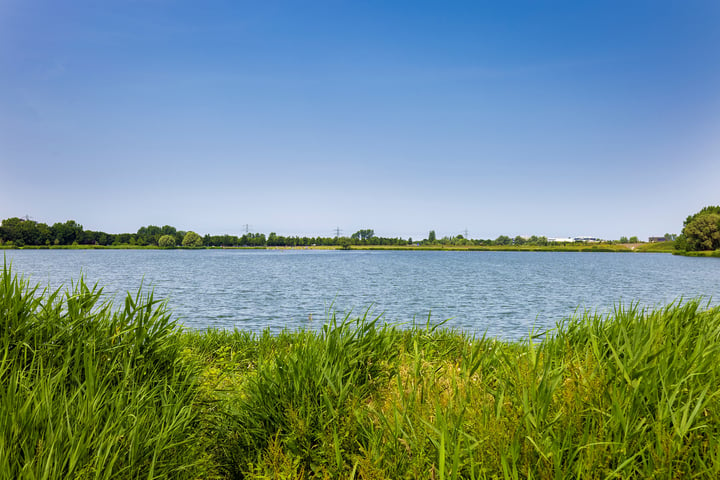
{"type": "Point", "coordinates": [88, 392]}
{"type": "Point", "coordinates": [91, 392]}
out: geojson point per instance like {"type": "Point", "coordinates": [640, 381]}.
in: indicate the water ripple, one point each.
{"type": "Point", "coordinates": [503, 293]}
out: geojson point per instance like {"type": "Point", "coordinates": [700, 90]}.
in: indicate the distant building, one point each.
{"type": "Point", "coordinates": [587, 239]}
{"type": "Point", "coordinates": [574, 239]}
{"type": "Point", "coordinates": [657, 239]}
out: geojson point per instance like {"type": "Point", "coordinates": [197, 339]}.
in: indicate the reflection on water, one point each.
{"type": "Point", "coordinates": [503, 293]}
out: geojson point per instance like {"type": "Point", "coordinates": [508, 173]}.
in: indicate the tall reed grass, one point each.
{"type": "Point", "coordinates": [87, 392]}
{"type": "Point", "coordinates": [90, 392]}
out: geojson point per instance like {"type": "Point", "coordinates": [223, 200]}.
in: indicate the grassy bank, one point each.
{"type": "Point", "coordinates": [657, 247]}
{"type": "Point", "coordinates": [88, 390]}
{"type": "Point", "coordinates": [582, 247]}
{"type": "Point", "coordinates": [702, 253]}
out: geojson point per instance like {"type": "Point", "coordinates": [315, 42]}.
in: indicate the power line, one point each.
{"type": "Point", "coordinates": [337, 232]}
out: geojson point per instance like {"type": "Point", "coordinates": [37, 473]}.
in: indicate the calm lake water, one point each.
{"type": "Point", "coordinates": [503, 293]}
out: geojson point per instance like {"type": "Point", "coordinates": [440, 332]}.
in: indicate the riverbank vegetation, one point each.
{"type": "Point", "coordinates": [88, 390]}
{"type": "Point", "coordinates": [559, 247]}
{"type": "Point", "coordinates": [701, 233]}
{"type": "Point", "coordinates": [26, 233]}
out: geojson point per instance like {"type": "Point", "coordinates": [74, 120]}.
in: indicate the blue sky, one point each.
{"type": "Point", "coordinates": [516, 117]}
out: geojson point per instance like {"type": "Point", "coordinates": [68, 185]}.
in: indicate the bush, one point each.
{"type": "Point", "coordinates": [192, 239]}
{"type": "Point", "coordinates": [166, 241]}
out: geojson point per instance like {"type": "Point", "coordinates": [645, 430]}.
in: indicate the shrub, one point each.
{"type": "Point", "coordinates": [192, 239]}
{"type": "Point", "coordinates": [166, 241]}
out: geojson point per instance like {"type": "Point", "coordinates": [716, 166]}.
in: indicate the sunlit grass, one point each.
{"type": "Point", "coordinates": [88, 392]}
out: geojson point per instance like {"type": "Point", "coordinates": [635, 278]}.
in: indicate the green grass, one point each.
{"type": "Point", "coordinates": [659, 247]}
{"type": "Point", "coordinates": [90, 391]}
{"type": "Point", "coordinates": [702, 253]}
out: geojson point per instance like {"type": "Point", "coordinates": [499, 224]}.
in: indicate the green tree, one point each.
{"type": "Point", "coordinates": [503, 240]}
{"type": "Point", "coordinates": [192, 239]}
{"type": "Point", "coordinates": [166, 241]}
{"type": "Point", "coordinates": [273, 240]}
{"type": "Point", "coordinates": [68, 232]}
{"type": "Point", "coordinates": [24, 231]}
{"type": "Point", "coordinates": [364, 234]}
{"type": "Point", "coordinates": [702, 232]}
{"type": "Point", "coordinates": [535, 240]}
{"type": "Point", "coordinates": [179, 236]}
{"type": "Point", "coordinates": [634, 239]}
{"type": "Point", "coordinates": [431, 236]}
{"type": "Point", "coordinates": [704, 211]}
{"type": "Point", "coordinates": [681, 242]}
{"type": "Point", "coordinates": [149, 235]}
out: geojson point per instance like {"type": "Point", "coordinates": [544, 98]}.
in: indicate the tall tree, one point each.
{"type": "Point", "coordinates": [702, 230]}
{"type": "Point", "coordinates": [67, 233]}
{"type": "Point", "coordinates": [503, 240]}
{"type": "Point", "coordinates": [364, 234]}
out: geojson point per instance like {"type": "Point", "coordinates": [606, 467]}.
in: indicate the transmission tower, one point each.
{"type": "Point", "coordinates": [337, 232]}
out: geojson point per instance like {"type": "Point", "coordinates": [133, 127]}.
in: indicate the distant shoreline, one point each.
{"type": "Point", "coordinates": [610, 248]}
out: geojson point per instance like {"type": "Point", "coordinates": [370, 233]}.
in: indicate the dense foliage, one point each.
{"type": "Point", "coordinates": [89, 392]}
{"type": "Point", "coordinates": [167, 241]}
{"type": "Point", "coordinates": [192, 239]}
{"type": "Point", "coordinates": [19, 232]}
{"type": "Point", "coordinates": [701, 231]}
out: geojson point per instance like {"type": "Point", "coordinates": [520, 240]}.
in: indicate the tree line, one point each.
{"type": "Point", "coordinates": [23, 231]}
{"type": "Point", "coordinates": [20, 232]}
{"type": "Point", "coordinates": [701, 231]}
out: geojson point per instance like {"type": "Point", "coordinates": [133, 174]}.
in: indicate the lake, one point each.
{"type": "Point", "coordinates": [503, 293]}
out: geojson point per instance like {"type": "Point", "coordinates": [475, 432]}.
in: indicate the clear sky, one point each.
{"type": "Point", "coordinates": [509, 117]}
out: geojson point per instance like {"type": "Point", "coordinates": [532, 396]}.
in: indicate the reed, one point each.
{"type": "Point", "coordinates": [633, 394]}
{"type": "Point", "coordinates": [87, 392]}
